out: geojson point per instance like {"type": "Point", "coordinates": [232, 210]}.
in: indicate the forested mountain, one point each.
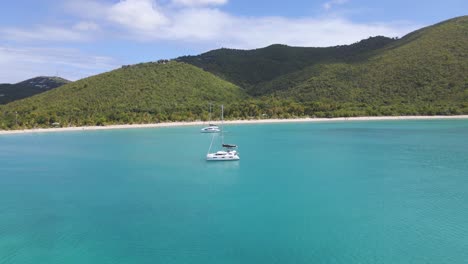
{"type": "Point", "coordinates": [423, 73]}
{"type": "Point", "coordinates": [431, 58]}
{"type": "Point", "coordinates": [30, 87]}
{"type": "Point", "coordinates": [143, 93]}
{"type": "Point", "coordinates": [249, 68]}
{"type": "Point", "coordinates": [427, 66]}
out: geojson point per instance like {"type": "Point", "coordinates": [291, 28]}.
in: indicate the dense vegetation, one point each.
{"type": "Point", "coordinates": [423, 73]}
{"type": "Point", "coordinates": [143, 93]}
{"type": "Point", "coordinates": [12, 92]}
{"type": "Point", "coordinates": [429, 66]}
{"type": "Point", "coordinates": [249, 68]}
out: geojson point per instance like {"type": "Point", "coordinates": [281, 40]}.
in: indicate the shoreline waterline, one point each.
{"type": "Point", "coordinates": [228, 122]}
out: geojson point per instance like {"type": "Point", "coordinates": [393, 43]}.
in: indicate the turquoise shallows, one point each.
{"type": "Point", "coordinates": [336, 192]}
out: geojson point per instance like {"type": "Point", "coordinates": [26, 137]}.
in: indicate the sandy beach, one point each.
{"type": "Point", "coordinates": [229, 122]}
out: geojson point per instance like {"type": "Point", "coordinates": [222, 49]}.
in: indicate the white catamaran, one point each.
{"type": "Point", "coordinates": [228, 152]}
{"type": "Point", "coordinates": [210, 128]}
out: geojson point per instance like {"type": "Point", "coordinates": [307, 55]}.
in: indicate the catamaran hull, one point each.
{"type": "Point", "coordinates": [222, 159]}
{"type": "Point", "coordinates": [210, 131]}
{"type": "Point", "coordinates": [228, 154]}
{"type": "Point", "coordinates": [210, 157]}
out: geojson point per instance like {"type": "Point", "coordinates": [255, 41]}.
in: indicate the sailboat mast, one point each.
{"type": "Point", "coordinates": [222, 124]}
{"type": "Point", "coordinates": [209, 119]}
{"type": "Point", "coordinates": [211, 144]}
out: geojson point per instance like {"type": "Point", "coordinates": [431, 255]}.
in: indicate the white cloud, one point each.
{"type": "Point", "coordinates": [89, 9]}
{"type": "Point", "coordinates": [328, 5]}
{"type": "Point", "coordinates": [199, 2]}
{"type": "Point", "coordinates": [43, 33]}
{"type": "Point", "coordinates": [201, 24]}
{"type": "Point", "coordinates": [188, 22]}
{"type": "Point", "coordinates": [214, 28]}
{"type": "Point", "coordinates": [137, 15]}
{"type": "Point", "coordinates": [86, 26]}
{"type": "Point", "coordinates": [304, 32]}
{"type": "Point", "coordinates": [21, 63]}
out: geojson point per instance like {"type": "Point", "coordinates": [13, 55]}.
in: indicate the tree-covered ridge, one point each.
{"type": "Point", "coordinates": [30, 87]}
{"type": "Point", "coordinates": [423, 73]}
{"type": "Point", "coordinates": [427, 70]}
{"type": "Point", "coordinates": [249, 68]}
{"type": "Point", "coordinates": [428, 66]}
{"type": "Point", "coordinates": [144, 93]}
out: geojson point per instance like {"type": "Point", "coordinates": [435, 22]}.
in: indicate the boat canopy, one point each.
{"type": "Point", "coordinates": [229, 146]}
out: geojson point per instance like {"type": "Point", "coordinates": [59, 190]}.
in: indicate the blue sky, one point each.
{"type": "Point", "coordinates": [79, 38]}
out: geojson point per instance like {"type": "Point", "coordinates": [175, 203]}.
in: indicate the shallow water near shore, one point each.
{"type": "Point", "coordinates": [336, 192]}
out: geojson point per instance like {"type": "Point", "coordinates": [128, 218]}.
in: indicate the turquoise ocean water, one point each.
{"type": "Point", "coordinates": [341, 192]}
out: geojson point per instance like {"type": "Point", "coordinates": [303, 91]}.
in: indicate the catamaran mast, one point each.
{"type": "Point", "coordinates": [222, 124]}
{"type": "Point", "coordinates": [209, 119]}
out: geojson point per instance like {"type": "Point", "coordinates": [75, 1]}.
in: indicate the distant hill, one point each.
{"type": "Point", "coordinates": [423, 73]}
{"type": "Point", "coordinates": [143, 93]}
{"type": "Point", "coordinates": [429, 66]}
{"type": "Point", "coordinates": [249, 68]}
{"type": "Point", "coordinates": [12, 92]}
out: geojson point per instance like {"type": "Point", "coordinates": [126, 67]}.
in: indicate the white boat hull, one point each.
{"type": "Point", "coordinates": [228, 153]}
{"type": "Point", "coordinates": [212, 129]}
{"type": "Point", "coordinates": [223, 156]}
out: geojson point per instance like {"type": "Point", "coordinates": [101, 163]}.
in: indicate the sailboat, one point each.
{"type": "Point", "coordinates": [228, 151]}
{"type": "Point", "coordinates": [211, 128]}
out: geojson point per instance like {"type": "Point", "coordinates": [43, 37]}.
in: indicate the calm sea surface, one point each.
{"type": "Point", "coordinates": [350, 192]}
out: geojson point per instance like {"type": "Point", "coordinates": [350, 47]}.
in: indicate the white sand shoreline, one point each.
{"type": "Point", "coordinates": [229, 122]}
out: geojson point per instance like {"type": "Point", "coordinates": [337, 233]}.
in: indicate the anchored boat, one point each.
{"type": "Point", "coordinates": [228, 151]}
{"type": "Point", "coordinates": [211, 128]}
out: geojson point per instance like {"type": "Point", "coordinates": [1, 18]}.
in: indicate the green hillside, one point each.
{"type": "Point", "coordinates": [248, 68]}
{"type": "Point", "coordinates": [30, 87]}
{"type": "Point", "coordinates": [143, 93]}
{"type": "Point", "coordinates": [428, 66]}
{"type": "Point", "coordinates": [423, 73]}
